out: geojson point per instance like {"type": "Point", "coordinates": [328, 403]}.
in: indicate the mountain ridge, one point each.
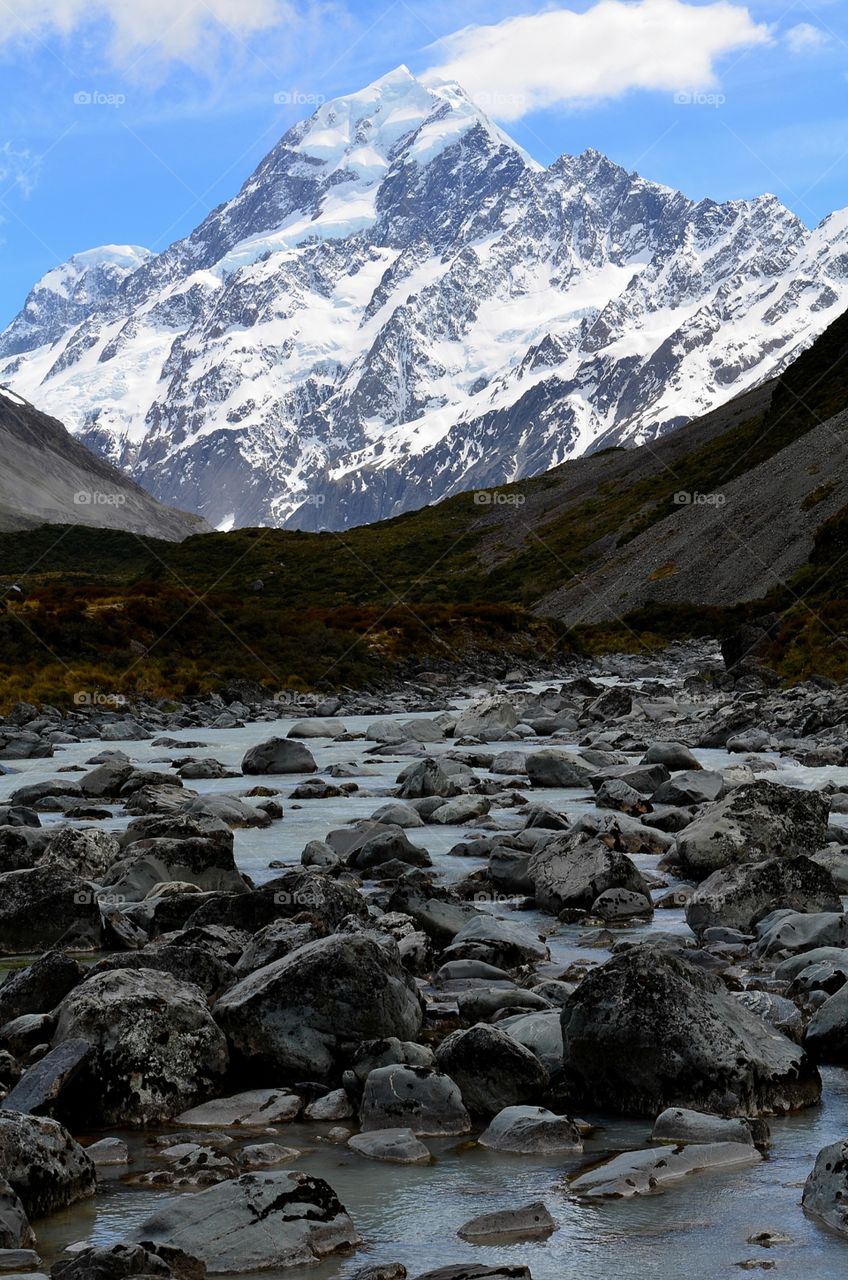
{"type": "Point", "coordinates": [399, 305]}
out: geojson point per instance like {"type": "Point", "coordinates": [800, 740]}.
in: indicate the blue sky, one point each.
{"type": "Point", "coordinates": [127, 122]}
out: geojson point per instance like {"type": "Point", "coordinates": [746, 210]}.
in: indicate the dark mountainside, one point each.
{"type": "Point", "coordinates": [48, 477]}
{"type": "Point", "coordinates": [598, 553]}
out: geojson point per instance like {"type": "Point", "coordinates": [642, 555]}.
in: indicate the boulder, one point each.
{"type": "Point", "coordinates": [83, 851]}
{"type": "Point", "coordinates": [677, 1124]}
{"type": "Point", "coordinates": [294, 1015]}
{"type": "Point", "coordinates": [636, 1173]}
{"type": "Point", "coordinates": [488, 718]}
{"type": "Point", "coordinates": [257, 1222]}
{"type": "Point", "coordinates": [117, 1261]}
{"type": "Point", "coordinates": [531, 1131]}
{"type": "Point", "coordinates": [650, 1029]}
{"type": "Point", "coordinates": [40, 1160]}
{"type": "Point", "coordinates": [692, 786]}
{"type": "Point", "coordinates": [572, 870]}
{"type": "Point", "coordinates": [539, 1031]}
{"type": "Point", "coordinates": [39, 987]}
{"type": "Point", "coordinates": [206, 864]}
{"type": "Point", "coordinates": [826, 1037]}
{"type": "Point", "coordinates": [793, 932]}
{"type": "Point", "coordinates": [674, 755]}
{"type": "Point", "coordinates": [42, 1083]}
{"type": "Point", "coordinates": [740, 895]}
{"type": "Point", "coordinates": [157, 1049]}
{"type": "Point", "coordinates": [395, 1146]}
{"type": "Point", "coordinates": [425, 778]}
{"type": "Point", "coordinates": [505, 943]}
{"type": "Point", "coordinates": [529, 1222]}
{"type": "Point", "coordinates": [825, 1196]}
{"type": "Point", "coordinates": [760, 821]}
{"type": "Point", "coordinates": [279, 755]}
{"type": "Point", "coordinates": [46, 907]}
{"type": "Point", "coordinates": [427, 1102]}
{"type": "Point", "coordinates": [15, 1231]}
{"type": "Point", "coordinates": [318, 727]}
{"type": "Point", "coordinates": [492, 1069]}
{"type": "Point", "coordinates": [553, 768]}
{"type": "Point", "coordinates": [255, 1109]}
{"type": "Point", "coordinates": [478, 1271]}
{"type": "Point", "coordinates": [460, 810]}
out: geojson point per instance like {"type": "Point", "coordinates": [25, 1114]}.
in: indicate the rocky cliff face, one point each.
{"type": "Point", "coordinates": [400, 304]}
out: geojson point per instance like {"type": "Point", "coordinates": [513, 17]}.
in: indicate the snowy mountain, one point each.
{"type": "Point", "coordinates": [400, 304]}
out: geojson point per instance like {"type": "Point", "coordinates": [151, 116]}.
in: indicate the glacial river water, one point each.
{"type": "Point", "coordinates": [699, 1229]}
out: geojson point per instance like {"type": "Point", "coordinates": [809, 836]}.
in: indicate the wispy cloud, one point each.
{"type": "Point", "coordinates": [806, 38]}
{"type": "Point", "coordinates": [187, 31]}
{"type": "Point", "coordinates": [18, 169]}
{"type": "Point", "coordinates": [561, 56]}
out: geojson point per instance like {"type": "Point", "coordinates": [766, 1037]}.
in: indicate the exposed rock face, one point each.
{"type": "Point", "coordinates": [120, 1260]}
{"type": "Point", "coordinates": [43, 1164]}
{"type": "Point", "coordinates": [294, 1016]}
{"type": "Point", "coordinates": [739, 896]}
{"type": "Point", "coordinates": [157, 1048]}
{"type": "Point", "coordinates": [637, 1173]}
{"type": "Point", "coordinates": [15, 1231]}
{"type": "Point", "coordinates": [826, 1190]}
{"type": "Point", "coordinates": [759, 821]}
{"type": "Point", "coordinates": [826, 1037]}
{"type": "Point", "coordinates": [649, 1030]}
{"type": "Point", "coordinates": [39, 987]}
{"type": "Point", "coordinates": [255, 1223]}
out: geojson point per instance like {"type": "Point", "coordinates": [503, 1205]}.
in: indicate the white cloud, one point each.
{"type": "Point", "coordinates": [18, 170]}
{"type": "Point", "coordinates": [805, 38]}
{"type": "Point", "coordinates": [563, 57]}
{"type": "Point", "coordinates": [181, 30]}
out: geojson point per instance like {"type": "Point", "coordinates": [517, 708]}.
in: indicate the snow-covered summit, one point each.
{"type": "Point", "coordinates": [399, 303]}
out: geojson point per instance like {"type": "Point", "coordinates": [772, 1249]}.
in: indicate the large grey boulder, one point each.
{"type": "Point", "coordinates": [114, 1262]}
{"type": "Point", "coordinates": [796, 931]}
{"type": "Point", "coordinates": [279, 755]}
{"type": "Point", "coordinates": [294, 1016]}
{"type": "Point", "coordinates": [317, 727]}
{"type": "Point", "coordinates": [740, 895]}
{"type": "Point", "coordinates": [39, 987]}
{"type": "Point", "coordinates": [552, 767]}
{"type": "Point", "coordinates": [504, 942]}
{"type": "Point", "coordinates": [45, 907]}
{"type": "Point", "coordinates": [528, 1222]}
{"type": "Point", "coordinates": [395, 1146]}
{"type": "Point", "coordinates": [157, 1049]}
{"type": "Point", "coordinates": [40, 1160]}
{"type": "Point", "coordinates": [825, 1195]}
{"type": "Point", "coordinates": [826, 1038]}
{"type": "Point", "coordinates": [650, 1030]}
{"type": "Point", "coordinates": [492, 1069]}
{"type": "Point", "coordinates": [692, 786]}
{"type": "Point", "coordinates": [531, 1131]}
{"type": "Point", "coordinates": [755, 822]}
{"type": "Point", "coordinates": [207, 864]}
{"type": "Point", "coordinates": [427, 1102]}
{"type": "Point", "coordinates": [426, 778]}
{"type": "Point", "coordinates": [679, 1124]}
{"type": "Point", "coordinates": [83, 851]}
{"type": "Point", "coordinates": [254, 1223]}
{"type": "Point", "coordinates": [572, 870]}
{"type": "Point", "coordinates": [488, 718]}
{"type": "Point", "coordinates": [674, 755]}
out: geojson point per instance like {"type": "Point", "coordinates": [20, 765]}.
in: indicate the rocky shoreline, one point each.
{"type": "Point", "coordinates": [362, 997]}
